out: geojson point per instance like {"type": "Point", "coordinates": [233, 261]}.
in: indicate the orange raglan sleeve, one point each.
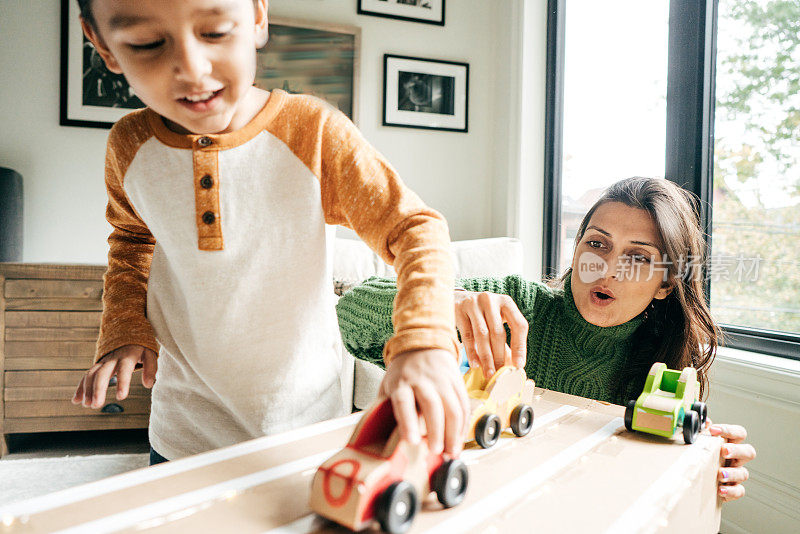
{"type": "Point", "coordinates": [124, 320]}
{"type": "Point", "coordinates": [360, 189]}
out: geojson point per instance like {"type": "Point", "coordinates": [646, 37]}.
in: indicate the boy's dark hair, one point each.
{"type": "Point", "coordinates": [86, 11]}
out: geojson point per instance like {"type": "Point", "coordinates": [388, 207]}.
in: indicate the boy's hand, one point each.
{"type": "Point", "coordinates": [479, 319]}
{"type": "Point", "coordinates": [91, 392]}
{"type": "Point", "coordinates": [428, 380]}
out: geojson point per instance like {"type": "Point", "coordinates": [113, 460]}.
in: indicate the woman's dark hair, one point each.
{"type": "Point", "coordinates": [679, 329]}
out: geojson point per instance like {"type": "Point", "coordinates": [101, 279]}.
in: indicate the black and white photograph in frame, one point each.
{"type": "Point", "coordinates": [427, 11]}
{"type": "Point", "coordinates": [425, 93]}
{"type": "Point", "coordinates": [91, 95]}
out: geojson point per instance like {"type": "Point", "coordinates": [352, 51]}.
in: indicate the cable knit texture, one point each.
{"type": "Point", "coordinates": [565, 352]}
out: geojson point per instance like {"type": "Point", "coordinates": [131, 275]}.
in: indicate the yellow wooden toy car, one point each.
{"type": "Point", "coordinates": [502, 401]}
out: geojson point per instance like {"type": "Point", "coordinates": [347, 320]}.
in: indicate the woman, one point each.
{"type": "Point", "coordinates": [632, 296]}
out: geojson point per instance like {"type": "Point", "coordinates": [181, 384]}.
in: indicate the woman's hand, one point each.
{"type": "Point", "coordinates": [479, 319]}
{"type": "Point", "coordinates": [736, 454]}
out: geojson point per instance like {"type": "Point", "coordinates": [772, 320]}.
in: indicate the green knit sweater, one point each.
{"type": "Point", "coordinates": [565, 352]}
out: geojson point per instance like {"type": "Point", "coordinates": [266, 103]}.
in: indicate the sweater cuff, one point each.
{"type": "Point", "coordinates": [419, 339]}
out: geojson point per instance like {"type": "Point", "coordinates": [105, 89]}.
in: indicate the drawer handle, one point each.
{"type": "Point", "coordinates": [112, 408]}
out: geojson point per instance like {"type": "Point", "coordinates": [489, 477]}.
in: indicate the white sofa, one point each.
{"type": "Point", "coordinates": [354, 262]}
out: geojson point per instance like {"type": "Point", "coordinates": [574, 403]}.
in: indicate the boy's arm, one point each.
{"type": "Point", "coordinates": [361, 190]}
{"type": "Point", "coordinates": [124, 320]}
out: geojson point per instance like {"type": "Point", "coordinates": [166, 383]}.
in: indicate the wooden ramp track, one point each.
{"type": "Point", "coordinates": [577, 471]}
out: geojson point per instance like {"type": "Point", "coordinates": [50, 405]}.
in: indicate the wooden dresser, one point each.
{"type": "Point", "coordinates": [50, 320]}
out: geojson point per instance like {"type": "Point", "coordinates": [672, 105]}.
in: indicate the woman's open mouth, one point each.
{"type": "Point", "coordinates": [201, 101]}
{"type": "Point", "coordinates": [601, 296]}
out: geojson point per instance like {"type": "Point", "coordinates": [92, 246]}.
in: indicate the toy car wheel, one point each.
{"type": "Point", "coordinates": [396, 508]}
{"type": "Point", "coordinates": [450, 482]}
{"type": "Point", "coordinates": [691, 427]}
{"type": "Point", "coordinates": [702, 411]}
{"type": "Point", "coordinates": [487, 430]}
{"type": "Point", "coordinates": [522, 420]}
{"type": "Point", "coordinates": [629, 409]}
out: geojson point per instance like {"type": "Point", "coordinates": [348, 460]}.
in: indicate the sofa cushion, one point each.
{"type": "Point", "coordinates": [354, 261]}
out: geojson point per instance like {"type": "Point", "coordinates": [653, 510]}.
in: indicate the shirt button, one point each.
{"type": "Point", "coordinates": [209, 217]}
{"type": "Point", "coordinates": [206, 182]}
{"type": "Point", "coordinates": [205, 141]}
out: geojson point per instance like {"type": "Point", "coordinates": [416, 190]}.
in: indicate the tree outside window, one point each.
{"type": "Point", "coordinates": [755, 263]}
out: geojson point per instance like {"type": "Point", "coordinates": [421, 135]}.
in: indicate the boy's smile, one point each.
{"type": "Point", "coordinates": [192, 61]}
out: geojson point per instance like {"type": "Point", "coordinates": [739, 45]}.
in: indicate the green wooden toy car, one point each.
{"type": "Point", "coordinates": [669, 401]}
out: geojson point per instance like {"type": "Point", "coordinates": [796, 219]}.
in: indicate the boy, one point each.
{"type": "Point", "coordinates": [219, 196]}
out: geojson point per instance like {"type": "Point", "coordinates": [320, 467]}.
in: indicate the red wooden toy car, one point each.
{"type": "Point", "coordinates": [379, 476]}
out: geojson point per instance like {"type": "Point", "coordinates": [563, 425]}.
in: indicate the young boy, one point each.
{"type": "Point", "coordinates": [219, 197]}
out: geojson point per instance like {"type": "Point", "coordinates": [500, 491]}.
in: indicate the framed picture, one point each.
{"type": "Point", "coordinates": [425, 93]}
{"type": "Point", "coordinates": [300, 57]}
{"type": "Point", "coordinates": [313, 58]}
{"type": "Point", "coordinates": [91, 95]}
{"type": "Point", "coordinates": [427, 11]}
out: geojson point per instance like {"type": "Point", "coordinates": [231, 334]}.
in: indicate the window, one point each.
{"type": "Point", "coordinates": [619, 80]}
{"type": "Point", "coordinates": [615, 102]}
{"type": "Point", "coordinates": [755, 267]}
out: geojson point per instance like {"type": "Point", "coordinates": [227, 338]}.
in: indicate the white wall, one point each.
{"type": "Point", "coordinates": [465, 176]}
{"type": "Point", "coordinates": [761, 393]}
{"type": "Point", "coordinates": [62, 168]}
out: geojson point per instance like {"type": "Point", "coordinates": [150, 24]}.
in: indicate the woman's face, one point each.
{"type": "Point", "coordinates": [618, 267]}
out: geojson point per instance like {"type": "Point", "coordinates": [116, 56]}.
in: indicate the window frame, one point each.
{"type": "Point", "coordinates": [691, 76]}
{"type": "Point", "coordinates": [553, 136]}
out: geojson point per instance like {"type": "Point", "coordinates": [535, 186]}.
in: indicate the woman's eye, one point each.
{"type": "Point", "coordinates": [640, 258]}
{"type": "Point", "coordinates": [147, 46]}
{"type": "Point", "coordinates": [594, 244]}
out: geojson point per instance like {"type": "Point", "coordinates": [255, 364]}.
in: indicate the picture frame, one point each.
{"type": "Point", "coordinates": [91, 95]}
{"type": "Point", "coordinates": [425, 11]}
{"type": "Point", "coordinates": [425, 93]}
{"type": "Point", "coordinates": [300, 57]}
{"type": "Point", "coordinates": [316, 58]}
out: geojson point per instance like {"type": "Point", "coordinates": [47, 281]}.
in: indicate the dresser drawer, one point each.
{"type": "Point", "coordinates": [59, 385]}
{"type": "Point", "coordinates": [38, 401]}
{"type": "Point", "coordinates": [65, 408]}
{"type": "Point", "coordinates": [35, 294]}
{"type": "Point", "coordinates": [49, 324]}
{"type": "Point", "coordinates": [32, 394]}
{"type": "Point", "coordinates": [53, 319]}
{"type": "Point", "coordinates": [86, 422]}
{"type": "Point", "coordinates": [53, 289]}
{"type": "Point", "coordinates": [41, 401]}
{"type": "Point", "coordinates": [21, 355]}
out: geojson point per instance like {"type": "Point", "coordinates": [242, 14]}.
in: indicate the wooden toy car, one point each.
{"type": "Point", "coordinates": [669, 400]}
{"type": "Point", "coordinates": [379, 476]}
{"type": "Point", "coordinates": [502, 401]}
